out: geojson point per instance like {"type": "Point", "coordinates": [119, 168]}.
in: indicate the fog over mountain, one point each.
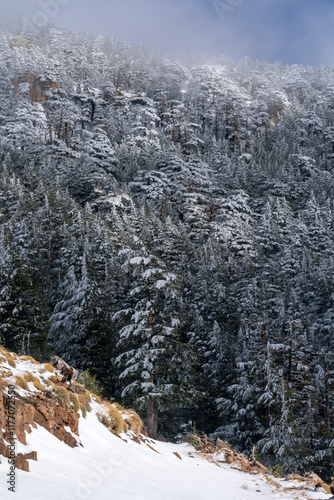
{"type": "Point", "coordinates": [292, 32]}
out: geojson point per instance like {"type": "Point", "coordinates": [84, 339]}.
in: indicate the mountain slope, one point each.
{"type": "Point", "coordinates": [168, 225]}
{"type": "Point", "coordinates": [107, 467]}
{"type": "Point", "coordinates": [103, 465]}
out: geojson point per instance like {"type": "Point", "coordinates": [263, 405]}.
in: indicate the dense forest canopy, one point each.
{"type": "Point", "coordinates": [169, 226]}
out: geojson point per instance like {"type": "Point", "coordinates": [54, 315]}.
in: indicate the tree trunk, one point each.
{"type": "Point", "coordinates": [325, 151]}
{"type": "Point", "coordinates": [267, 141]}
{"type": "Point", "coordinates": [327, 396]}
{"type": "Point", "coordinates": [152, 419]}
{"type": "Point", "coordinates": [290, 352]}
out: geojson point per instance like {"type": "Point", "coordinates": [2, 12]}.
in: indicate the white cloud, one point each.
{"type": "Point", "coordinates": [295, 32]}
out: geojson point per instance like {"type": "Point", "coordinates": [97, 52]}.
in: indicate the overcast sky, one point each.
{"type": "Point", "coordinates": [292, 31]}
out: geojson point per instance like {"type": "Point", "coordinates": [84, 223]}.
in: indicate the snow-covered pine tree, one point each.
{"type": "Point", "coordinates": [155, 357]}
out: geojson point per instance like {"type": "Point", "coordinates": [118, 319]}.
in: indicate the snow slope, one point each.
{"type": "Point", "coordinates": [108, 468]}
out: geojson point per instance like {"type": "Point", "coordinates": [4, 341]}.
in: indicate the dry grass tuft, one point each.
{"type": "Point", "coordinates": [21, 382]}
{"type": "Point", "coordinates": [119, 407]}
{"type": "Point", "coordinates": [75, 405]}
{"type": "Point", "coordinates": [5, 351]}
{"type": "Point", "coordinates": [273, 483]}
{"type": "Point", "coordinates": [134, 421]}
{"type": "Point", "coordinates": [38, 385]}
{"type": "Point", "coordinates": [9, 358]}
{"type": "Point", "coordinates": [97, 399]}
{"type": "Point", "coordinates": [113, 420]}
{"type": "Point", "coordinates": [48, 367]}
{"type": "Point", "coordinates": [31, 359]}
{"type": "Point", "coordinates": [83, 410]}
{"type": "Point", "coordinates": [84, 404]}
{"type": "Point", "coordinates": [29, 377]}
{"type": "Point", "coordinates": [3, 384]}
{"type": "Point", "coordinates": [125, 427]}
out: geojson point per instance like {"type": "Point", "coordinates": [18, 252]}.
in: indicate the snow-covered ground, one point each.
{"type": "Point", "coordinates": [108, 468]}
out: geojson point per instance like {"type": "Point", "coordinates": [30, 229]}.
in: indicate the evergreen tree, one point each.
{"type": "Point", "coordinates": [156, 360]}
{"type": "Point", "coordinates": [23, 324]}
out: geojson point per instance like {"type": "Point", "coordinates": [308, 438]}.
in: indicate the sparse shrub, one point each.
{"type": "Point", "coordinates": [21, 382]}
{"type": "Point", "coordinates": [114, 420]}
{"type": "Point", "coordinates": [276, 470]}
{"type": "Point", "coordinates": [62, 396]}
{"type": "Point", "coordinates": [74, 402]}
{"type": "Point", "coordinates": [194, 430]}
{"type": "Point", "coordinates": [193, 440]}
{"type": "Point", "coordinates": [90, 382]}
{"type": "Point", "coordinates": [256, 454]}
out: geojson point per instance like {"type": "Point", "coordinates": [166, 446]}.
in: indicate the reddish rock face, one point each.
{"type": "Point", "coordinates": [38, 86]}
{"type": "Point", "coordinates": [50, 415]}
{"type": "Point", "coordinates": [21, 463]}
{"type": "Point", "coordinates": [24, 420]}
{"type": "Point", "coordinates": [2, 424]}
{"type": "Point", "coordinates": [42, 410]}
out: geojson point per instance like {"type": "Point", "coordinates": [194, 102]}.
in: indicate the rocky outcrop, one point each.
{"type": "Point", "coordinates": [310, 481]}
{"type": "Point", "coordinates": [45, 411]}
{"type": "Point", "coordinates": [38, 84]}
{"type": "Point", "coordinates": [206, 446]}
{"type": "Point", "coordinates": [54, 418]}
{"type": "Point", "coordinates": [19, 42]}
{"type": "Point", "coordinates": [47, 395]}
{"type": "Point", "coordinates": [23, 421]}
{"type": "Point", "coordinates": [219, 452]}
{"type": "Point", "coordinates": [67, 372]}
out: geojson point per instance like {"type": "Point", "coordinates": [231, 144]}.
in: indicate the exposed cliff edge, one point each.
{"type": "Point", "coordinates": [33, 393]}
{"type": "Point", "coordinates": [38, 86]}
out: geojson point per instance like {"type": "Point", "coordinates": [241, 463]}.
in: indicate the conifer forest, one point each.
{"type": "Point", "coordinates": [167, 223]}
